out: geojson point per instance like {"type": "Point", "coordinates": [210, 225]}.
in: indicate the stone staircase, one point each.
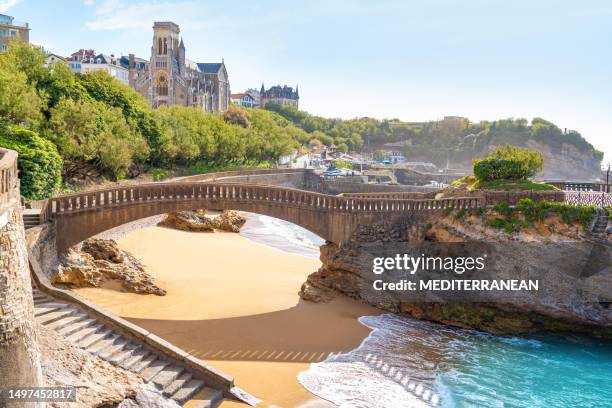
{"type": "Point", "coordinates": [31, 217]}
{"type": "Point", "coordinates": [600, 224]}
{"type": "Point", "coordinates": [174, 380]}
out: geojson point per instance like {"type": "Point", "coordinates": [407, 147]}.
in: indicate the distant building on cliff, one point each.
{"type": "Point", "coordinates": [172, 79]}
{"type": "Point", "coordinates": [11, 30]}
{"type": "Point", "coordinates": [280, 95]}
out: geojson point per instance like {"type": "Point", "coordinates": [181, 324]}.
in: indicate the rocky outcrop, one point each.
{"type": "Point", "coordinates": [230, 221]}
{"type": "Point", "coordinates": [195, 221]}
{"type": "Point", "coordinates": [574, 273]}
{"type": "Point", "coordinates": [98, 261]}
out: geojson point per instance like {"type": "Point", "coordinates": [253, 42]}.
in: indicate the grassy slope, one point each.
{"type": "Point", "coordinates": [504, 185]}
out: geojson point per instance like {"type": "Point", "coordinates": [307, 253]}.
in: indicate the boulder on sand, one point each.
{"type": "Point", "coordinates": [99, 261]}
{"type": "Point", "coordinates": [188, 221]}
{"type": "Point", "coordinates": [230, 221]}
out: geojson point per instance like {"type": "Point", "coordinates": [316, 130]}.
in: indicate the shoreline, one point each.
{"type": "Point", "coordinates": [241, 314]}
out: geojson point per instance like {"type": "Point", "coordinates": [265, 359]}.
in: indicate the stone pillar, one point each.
{"type": "Point", "coordinates": [19, 354]}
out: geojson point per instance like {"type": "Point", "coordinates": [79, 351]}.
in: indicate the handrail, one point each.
{"type": "Point", "coordinates": [252, 193]}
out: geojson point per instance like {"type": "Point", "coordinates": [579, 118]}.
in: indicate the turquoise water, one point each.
{"type": "Point", "coordinates": [412, 363]}
{"type": "Point", "coordinates": [543, 371]}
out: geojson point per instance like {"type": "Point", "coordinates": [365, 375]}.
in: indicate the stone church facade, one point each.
{"type": "Point", "coordinates": [169, 78]}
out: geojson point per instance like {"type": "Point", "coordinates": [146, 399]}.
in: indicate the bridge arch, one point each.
{"type": "Point", "coordinates": [334, 218]}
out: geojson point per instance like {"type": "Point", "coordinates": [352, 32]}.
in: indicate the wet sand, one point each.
{"type": "Point", "coordinates": [233, 302]}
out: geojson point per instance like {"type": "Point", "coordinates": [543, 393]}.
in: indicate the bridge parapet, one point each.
{"type": "Point", "coordinates": [178, 191]}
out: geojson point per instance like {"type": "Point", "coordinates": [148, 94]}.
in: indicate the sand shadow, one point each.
{"type": "Point", "coordinates": [304, 333]}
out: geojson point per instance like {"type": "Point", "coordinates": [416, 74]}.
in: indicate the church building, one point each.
{"type": "Point", "coordinates": [169, 78]}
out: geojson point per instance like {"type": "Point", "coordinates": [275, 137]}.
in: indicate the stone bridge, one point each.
{"type": "Point", "coordinates": [334, 218]}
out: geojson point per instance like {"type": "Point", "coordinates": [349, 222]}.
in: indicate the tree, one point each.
{"type": "Point", "coordinates": [19, 102]}
{"type": "Point", "coordinates": [509, 163]}
{"type": "Point", "coordinates": [39, 162]}
{"type": "Point", "coordinates": [235, 115]}
{"type": "Point", "coordinates": [90, 132]}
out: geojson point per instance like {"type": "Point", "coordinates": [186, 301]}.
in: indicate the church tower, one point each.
{"type": "Point", "coordinates": [165, 64]}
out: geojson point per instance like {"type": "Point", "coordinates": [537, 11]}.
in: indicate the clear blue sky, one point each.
{"type": "Point", "coordinates": [413, 60]}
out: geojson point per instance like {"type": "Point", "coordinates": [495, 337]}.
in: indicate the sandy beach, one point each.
{"type": "Point", "coordinates": [233, 302]}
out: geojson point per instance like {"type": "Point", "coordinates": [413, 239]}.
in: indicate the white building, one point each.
{"type": "Point", "coordinates": [51, 58]}
{"type": "Point", "coordinates": [243, 99]}
{"type": "Point", "coordinates": [107, 63]}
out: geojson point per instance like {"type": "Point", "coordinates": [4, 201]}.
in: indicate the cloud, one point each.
{"type": "Point", "coordinates": [5, 5]}
{"type": "Point", "coordinates": [116, 15]}
{"type": "Point", "coordinates": [89, 2]}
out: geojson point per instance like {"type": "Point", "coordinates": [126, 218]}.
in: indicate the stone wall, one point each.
{"type": "Point", "coordinates": [19, 354]}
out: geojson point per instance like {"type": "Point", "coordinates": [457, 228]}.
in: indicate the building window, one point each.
{"type": "Point", "coordinates": [165, 46]}
{"type": "Point", "coordinates": [159, 46]}
{"type": "Point", "coordinates": [162, 86]}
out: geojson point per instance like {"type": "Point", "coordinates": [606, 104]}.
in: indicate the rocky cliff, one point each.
{"type": "Point", "coordinates": [575, 274]}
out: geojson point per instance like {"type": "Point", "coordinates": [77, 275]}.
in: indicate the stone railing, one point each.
{"type": "Point", "coordinates": [9, 180]}
{"type": "Point", "coordinates": [182, 191]}
{"type": "Point", "coordinates": [588, 198]}
{"type": "Point", "coordinates": [513, 197]}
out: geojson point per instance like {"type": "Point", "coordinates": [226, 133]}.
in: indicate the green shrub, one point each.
{"type": "Point", "coordinates": [509, 163]}
{"type": "Point", "coordinates": [504, 209]}
{"type": "Point", "coordinates": [39, 163]}
{"type": "Point", "coordinates": [461, 213]}
{"type": "Point", "coordinates": [498, 223]}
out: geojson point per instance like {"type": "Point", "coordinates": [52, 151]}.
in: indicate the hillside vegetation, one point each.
{"type": "Point", "coordinates": [102, 128]}
{"type": "Point", "coordinates": [456, 140]}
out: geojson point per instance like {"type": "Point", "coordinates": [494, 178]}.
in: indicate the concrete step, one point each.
{"type": "Point", "coordinates": [89, 341]}
{"type": "Point", "coordinates": [208, 398]}
{"type": "Point", "coordinates": [167, 375]}
{"type": "Point", "coordinates": [55, 316]}
{"type": "Point", "coordinates": [118, 345]}
{"type": "Point", "coordinates": [67, 321]}
{"type": "Point", "coordinates": [135, 359]}
{"type": "Point", "coordinates": [77, 326]}
{"type": "Point", "coordinates": [153, 369]}
{"type": "Point", "coordinates": [102, 344]}
{"type": "Point", "coordinates": [123, 355]}
{"type": "Point", "coordinates": [80, 334]}
{"type": "Point", "coordinates": [45, 308]}
{"type": "Point", "coordinates": [187, 391]}
{"type": "Point", "coordinates": [175, 385]}
{"type": "Point", "coordinates": [143, 363]}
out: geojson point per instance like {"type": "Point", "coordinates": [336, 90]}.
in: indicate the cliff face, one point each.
{"type": "Point", "coordinates": [575, 275]}
{"type": "Point", "coordinates": [565, 163]}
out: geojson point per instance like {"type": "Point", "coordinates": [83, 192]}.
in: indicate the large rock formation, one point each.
{"type": "Point", "coordinates": [197, 221]}
{"type": "Point", "coordinates": [230, 221]}
{"type": "Point", "coordinates": [100, 260]}
{"type": "Point", "coordinates": [575, 274]}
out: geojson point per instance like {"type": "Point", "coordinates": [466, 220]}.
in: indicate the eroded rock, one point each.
{"type": "Point", "coordinates": [189, 221]}
{"type": "Point", "coordinates": [99, 261]}
{"type": "Point", "coordinates": [230, 221]}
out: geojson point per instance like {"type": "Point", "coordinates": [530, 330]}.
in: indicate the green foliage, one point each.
{"type": "Point", "coordinates": [509, 163]}
{"type": "Point", "coordinates": [39, 162]}
{"type": "Point", "coordinates": [538, 211]}
{"type": "Point", "coordinates": [503, 208]}
{"type": "Point", "coordinates": [512, 185]}
{"type": "Point", "coordinates": [461, 213]}
{"type": "Point", "coordinates": [90, 131]}
{"type": "Point", "coordinates": [343, 164]}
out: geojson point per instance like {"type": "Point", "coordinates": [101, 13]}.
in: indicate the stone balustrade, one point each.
{"type": "Point", "coordinates": [179, 191]}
